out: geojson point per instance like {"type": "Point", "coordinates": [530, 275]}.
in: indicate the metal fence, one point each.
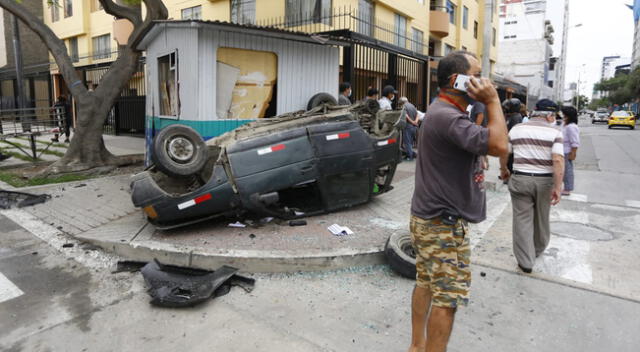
{"type": "Point", "coordinates": [128, 112]}
{"type": "Point", "coordinates": [30, 123]}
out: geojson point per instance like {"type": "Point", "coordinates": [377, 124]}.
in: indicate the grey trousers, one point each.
{"type": "Point", "coordinates": [531, 202]}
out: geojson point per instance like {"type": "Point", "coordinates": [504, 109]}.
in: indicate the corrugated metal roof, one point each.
{"type": "Point", "coordinates": [241, 28]}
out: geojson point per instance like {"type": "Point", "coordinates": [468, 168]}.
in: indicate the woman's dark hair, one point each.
{"type": "Point", "coordinates": [344, 86]}
{"type": "Point", "coordinates": [455, 62]}
{"type": "Point", "coordinates": [570, 114]}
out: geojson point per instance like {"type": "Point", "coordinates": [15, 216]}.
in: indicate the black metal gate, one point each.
{"type": "Point", "coordinates": [367, 67]}
{"type": "Point", "coordinates": [128, 112]}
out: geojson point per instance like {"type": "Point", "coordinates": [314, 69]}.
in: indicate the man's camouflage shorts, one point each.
{"type": "Point", "coordinates": [442, 260]}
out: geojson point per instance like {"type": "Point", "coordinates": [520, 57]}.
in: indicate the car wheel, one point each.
{"type": "Point", "coordinates": [401, 255]}
{"type": "Point", "coordinates": [321, 98]}
{"type": "Point", "coordinates": [179, 151]}
{"type": "Point", "coordinates": [593, 122]}
{"type": "Point", "coordinates": [609, 126]}
{"type": "Point", "coordinates": [632, 127]}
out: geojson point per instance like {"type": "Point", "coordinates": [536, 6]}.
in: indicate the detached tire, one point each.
{"type": "Point", "coordinates": [400, 255]}
{"type": "Point", "coordinates": [179, 151]}
{"type": "Point", "coordinates": [321, 98]}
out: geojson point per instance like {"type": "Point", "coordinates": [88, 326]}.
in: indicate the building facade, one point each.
{"type": "Point", "coordinates": [528, 38]}
{"type": "Point", "coordinates": [36, 79]}
{"type": "Point", "coordinates": [608, 69]}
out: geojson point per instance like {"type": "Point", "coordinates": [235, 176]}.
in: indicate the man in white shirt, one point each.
{"type": "Point", "coordinates": [388, 94]}
{"type": "Point", "coordinates": [536, 183]}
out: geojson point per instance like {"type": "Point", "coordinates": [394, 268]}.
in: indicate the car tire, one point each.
{"type": "Point", "coordinates": [593, 122]}
{"type": "Point", "coordinates": [609, 126]}
{"type": "Point", "coordinates": [400, 255]}
{"type": "Point", "coordinates": [179, 151]}
{"type": "Point", "coordinates": [321, 98]}
{"type": "Point", "coordinates": [633, 127]}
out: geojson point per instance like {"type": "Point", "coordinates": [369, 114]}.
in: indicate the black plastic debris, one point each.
{"type": "Point", "coordinates": [297, 222]}
{"type": "Point", "coordinates": [21, 199]}
{"type": "Point", "coordinates": [177, 287]}
{"type": "Point", "coordinates": [67, 245]}
{"type": "Point", "coordinates": [128, 266]}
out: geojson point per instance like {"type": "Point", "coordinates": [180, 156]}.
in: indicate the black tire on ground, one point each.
{"type": "Point", "coordinates": [593, 122]}
{"type": "Point", "coordinates": [400, 255]}
{"type": "Point", "coordinates": [321, 98]}
{"type": "Point", "coordinates": [179, 151]}
{"type": "Point", "coordinates": [633, 127]}
{"type": "Point", "coordinates": [609, 126]}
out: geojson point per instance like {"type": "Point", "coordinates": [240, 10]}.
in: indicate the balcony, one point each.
{"type": "Point", "coordinates": [439, 21]}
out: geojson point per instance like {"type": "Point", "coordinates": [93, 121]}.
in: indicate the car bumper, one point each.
{"type": "Point", "coordinates": [621, 123]}
{"type": "Point", "coordinates": [167, 211]}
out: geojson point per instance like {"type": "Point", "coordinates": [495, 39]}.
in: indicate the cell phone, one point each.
{"type": "Point", "coordinates": [461, 83]}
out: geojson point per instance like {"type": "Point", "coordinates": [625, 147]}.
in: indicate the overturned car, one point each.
{"type": "Point", "coordinates": [295, 165]}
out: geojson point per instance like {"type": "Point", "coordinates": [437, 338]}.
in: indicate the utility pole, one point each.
{"type": "Point", "coordinates": [17, 56]}
{"type": "Point", "coordinates": [487, 38]}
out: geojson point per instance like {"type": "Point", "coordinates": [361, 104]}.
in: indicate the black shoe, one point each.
{"type": "Point", "coordinates": [4, 157]}
{"type": "Point", "coordinates": [525, 270]}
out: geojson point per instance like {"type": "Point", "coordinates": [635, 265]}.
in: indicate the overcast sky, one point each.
{"type": "Point", "coordinates": [607, 30]}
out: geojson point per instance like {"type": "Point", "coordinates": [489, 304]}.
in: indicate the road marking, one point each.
{"type": "Point", "coordinates": [8, 290]}
{"type": "Point", "coordinates": [577, 197]}
{"type": "Point", "coordinates": [632, 203]}
{"type": "Point", "coordinates": [566, 258]}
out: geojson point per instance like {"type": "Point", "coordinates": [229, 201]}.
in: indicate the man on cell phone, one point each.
{"type": "Point", "coordinates": [449, 193]}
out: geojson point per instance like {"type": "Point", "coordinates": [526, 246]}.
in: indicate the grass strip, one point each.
{"type": "Point", "coordinates": [18, 155]}
{"type": "Point", "coordinates": [17, 181]}
{"type": "Point", "coordinates": [59, 145]}
{"type": "Point", "coordinates": [26, 147]}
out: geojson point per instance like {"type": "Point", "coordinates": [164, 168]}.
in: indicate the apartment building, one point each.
{"type": "Point", "coordinates": [396, 38]}
{"type": "Point", "coordinates": [34, 61]}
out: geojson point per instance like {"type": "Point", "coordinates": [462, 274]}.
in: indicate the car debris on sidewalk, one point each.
{"type": "Point", "coordinates": [338, 230]}
{"type": "Point", "coordinates": [177, 287]}
{"type": "Point", "coordinates": [21, 199]}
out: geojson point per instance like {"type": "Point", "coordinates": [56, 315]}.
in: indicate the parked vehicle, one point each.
{"type": "Point", "coordinates": [622, 118]}
{"type": "Point", "coordinates": [600, 116]}
{"type": "Point", "coordinates": [294, 165]}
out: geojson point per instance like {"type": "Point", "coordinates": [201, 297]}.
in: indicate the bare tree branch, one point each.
{"type": "Point", "coordinates": [132, 14]}
{"type": "Point", "coordinates": [54, 44]}
{"type": "Point", "coordinates": [112, 83]}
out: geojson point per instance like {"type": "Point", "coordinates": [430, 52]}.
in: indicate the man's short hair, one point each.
{"type": "Point", "coordinates": [344, 86]}
{"type": "Point", "coordinates": [372, 91]}
{"type": "Point", "coordinates": [456, 62]}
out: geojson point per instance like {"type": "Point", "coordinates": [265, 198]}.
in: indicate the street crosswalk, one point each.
{"type": "Point", "coordinates": [8, 290]}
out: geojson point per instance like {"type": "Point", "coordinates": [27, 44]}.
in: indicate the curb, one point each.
{"type": "Point", "coordinates": [140, 247]}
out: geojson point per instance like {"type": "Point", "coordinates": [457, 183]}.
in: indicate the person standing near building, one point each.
{"type": "Point", "coordinates": [571, 139]}
{"type": "Point", "coordinates": [536, 183]}
{"type": "Point", "coordinates": [449, 193]}
{"type": "Point", "coordinates": [410, 129]}
{"type": "Point", "coordinates": [511, 108]}
{"type": "Point", "coordinates": [477, 114]}
{"type": "Point", "coordinates": [62, 111]}
{"type": "Point", "coordinates": [345, 94]}
{"type": "Point", "coordinates": [388, 94]}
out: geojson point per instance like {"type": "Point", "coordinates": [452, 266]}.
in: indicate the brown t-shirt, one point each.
{"type": "Point", "coordinates": [448, 172]}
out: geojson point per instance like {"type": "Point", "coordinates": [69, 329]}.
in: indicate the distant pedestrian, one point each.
{"type": "Point", "coordinates": [571, 139]}
{"type": "Point", "coordinates": [372, 93]}
{"type": "Point", "coordinates": [449, 193]}
{"type": "Point", "coordinates": [345, 94]}
{"type": "Point", "coordinates": [62, 113]}
{"type": "Point", "coordinates": [524, 113]}
{"type": "Point", "coordinates": [410, 129]}
{"type": "Point", "coordinates": [476, 115]}
{"type": "Point", "coordinates": [536, 183]}
{"type": "Point", "coordinates": [511, 108]}
{"type": "Point", "coordinates": [388, 94]}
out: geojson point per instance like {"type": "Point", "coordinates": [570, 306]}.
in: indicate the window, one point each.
{"type": "Point", "coordinates": [55, 12]}
{"type": "Point", "coordinates": [366, 17]}
{"type": "Point", "coordinates": [493, 36]}
{"type": "Point", "coordinates": [95, 5]}
{"type": "Point", "coordinates": [68, 8]}
{"type": "Point", "coordinates": [192, 13]}
{"type": "Point", "coordinates": [102, 47]}
{"type": "Point", "coordinates": [418, 41]}
{"type": "Point", "coordinates": [465, 17]}
{"type": "Point", "coordinates": [168, 87]}
{"type": "Point", "coordinates": [451, 8]}
{"type": "Point", "coordinates": [73, 48]}
{"type": "Point", "coordinates": [448, 49]}
{"type": "Point", "coordinates": [475, 29]}
{"type": "Point", "coordinates": [400, 30]}
{"type": "Point", "coordinates": [243, 11]}
{"type": "Point", "coordinates": [299, 12]}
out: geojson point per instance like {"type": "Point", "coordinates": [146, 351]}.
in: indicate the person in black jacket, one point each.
{"type": "Point", "coordinates": [511, 108]}
{"type": "Point", "coordinates": [62, 111]}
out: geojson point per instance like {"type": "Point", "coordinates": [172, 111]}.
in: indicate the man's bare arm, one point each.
{"type": "Point", "coordinates": [558, 175]}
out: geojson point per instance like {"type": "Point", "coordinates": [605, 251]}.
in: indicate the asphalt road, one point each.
{"type": "Point", "coordinates": [55, 298]}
